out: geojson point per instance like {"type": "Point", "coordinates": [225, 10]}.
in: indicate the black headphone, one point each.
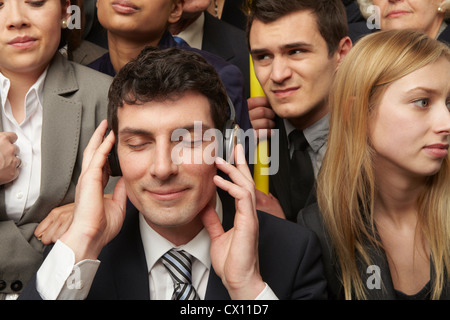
{"type": "Point", "coordinates": [230, 133]}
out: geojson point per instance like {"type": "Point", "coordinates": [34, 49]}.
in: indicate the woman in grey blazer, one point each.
{"type": "Point", "coordinates": [49, 109]}
{"type": "Point", "coordinates": [383, 190]}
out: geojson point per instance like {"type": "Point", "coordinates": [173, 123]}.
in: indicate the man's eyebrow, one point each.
{"type": "Point", "coordinates": [135, 131]}
{"type": "Point", "coordinates": [292, 45]}
{"type": "Point", "coordinates": [192, 127]}
{"type": "Point", "coordinates": [142, 132]}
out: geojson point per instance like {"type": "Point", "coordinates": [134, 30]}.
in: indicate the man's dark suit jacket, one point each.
{"type": "Point", "coordinates": [311, 218]}
{"type": "Point", "coordinates": [289, 259]}
{"type": "Point", "coordinates": [230, 43]}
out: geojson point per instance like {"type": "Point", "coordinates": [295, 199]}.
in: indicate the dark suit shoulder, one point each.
{"type": "Point", "coordinates": [295, 253]}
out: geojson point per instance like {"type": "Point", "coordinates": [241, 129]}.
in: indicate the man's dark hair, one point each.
{"type": "Point", "coordinates": [158, 75]}
{"type": "Point", "coordinates": [330, 15]}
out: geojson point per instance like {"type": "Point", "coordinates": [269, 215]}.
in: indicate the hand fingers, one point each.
{"type": "Point", "coordinates": [100, 155]}
{"type": "Point", "coordinates": [255, 102]}
{"type": "Point", "coordinates": [211, 222]}
{"type": "Point", "coordinates": [95, 141]}
{"type": "Point", "coordinates": [245, 198]}
{"type": "Point", "coordinates": [261, 113]}
{"type": "Point", "coordinates": [10, 136]}
{"type": "Point", "coordinates": [239, 174]}
{"type": "Point", "coordinates": [120, 193]}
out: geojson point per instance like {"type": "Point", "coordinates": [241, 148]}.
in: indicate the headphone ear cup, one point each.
{"type": "Point", "coordinates": [113, 160]}
{"type": "Point", "coordinates": [230, 139]}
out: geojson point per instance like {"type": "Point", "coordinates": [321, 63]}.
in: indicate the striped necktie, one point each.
{"type": "Point", "coordinates": [178, 263]}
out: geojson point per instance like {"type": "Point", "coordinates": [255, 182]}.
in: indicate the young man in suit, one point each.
{"type": "Point", "coordinates": [156, 104]}
{"type": "Point", "coordinates": [296, 46]}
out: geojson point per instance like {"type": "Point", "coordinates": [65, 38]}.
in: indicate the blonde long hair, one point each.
{"type": "Point", "coordinates": [346, 184]}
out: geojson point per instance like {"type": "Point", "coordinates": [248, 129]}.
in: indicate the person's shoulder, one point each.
{"type": "Point", "coordinates": [282, 229]}
{"type": "Point", "coordinates": [83, 71]}
{"type": "Point", "coordinates": [310, 216]}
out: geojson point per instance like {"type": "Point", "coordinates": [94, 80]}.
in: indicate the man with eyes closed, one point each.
{"type": "Point", "coordinates": [296, 48]}
{"type": "Point", "coordinates": [179, 211]}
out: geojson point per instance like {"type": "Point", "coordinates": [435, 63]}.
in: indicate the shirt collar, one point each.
{"type": "Point", "coordinates": [155, 245]}
{"type": "Point", "coordinates": [193, 35]}
{"type": "Point", "coordinates": [316, 134]}
{"type": "Point", "coordinates": [36, 89]}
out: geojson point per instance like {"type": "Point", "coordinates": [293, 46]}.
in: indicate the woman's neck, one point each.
{"type": "Point", "coordinates": [396, 196]}
{"type": "Point", "coordinates": [122, 50]}
{"type": "Point", "coordinates": [20, 83]}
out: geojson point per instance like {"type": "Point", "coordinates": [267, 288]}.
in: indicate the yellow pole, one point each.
{"type": "Point", "coordinates": [262, 148]}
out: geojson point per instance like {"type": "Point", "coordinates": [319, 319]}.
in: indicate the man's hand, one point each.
{"type": "Point", "coordinates": [234, 254]}
{"type": "Point", "coordinates": [57, 223]}
{"type": "Point", "coordinates": [9, 160]}
{"type": "Point", "coordinates": [261, 116]}
{"type": "Point", "coordinates": [268, 203]}
{"type": "Point", "coordinates": [97, 219]}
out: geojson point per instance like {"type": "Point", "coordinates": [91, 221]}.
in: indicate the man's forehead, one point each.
{"type": "Point", "coordinates": [297, 27]}
{"type": "Point", "coordinates": [170, 113]}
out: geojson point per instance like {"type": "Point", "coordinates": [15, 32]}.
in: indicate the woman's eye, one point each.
{"type": "Point", "coordinates": [422, 103]}
{"type": "Point", "coordinates": [36, 3]}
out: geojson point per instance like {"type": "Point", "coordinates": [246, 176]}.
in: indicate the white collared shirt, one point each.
{"type": "Point", "coordinates": [155, 246]}
{"type": "Point", "coordinates": [59, 278]}
{"type": "Point", "coordinates": [22, 193]}
{"type": "Point", "coordinates": [193, 34]}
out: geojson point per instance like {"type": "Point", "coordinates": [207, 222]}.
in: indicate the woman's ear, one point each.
{"type": "Point", "coordinates": [177, 11]}
{"type": "Point", "coordinates": [65, 14]}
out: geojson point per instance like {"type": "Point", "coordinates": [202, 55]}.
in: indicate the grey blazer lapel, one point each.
{"type": "Point", "coordinates": [60, 136]}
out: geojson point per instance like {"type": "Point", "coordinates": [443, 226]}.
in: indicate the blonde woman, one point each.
{"type": "Point", "coordinates": [429, 16]}
{"type": "Point", "coordinates": [383, 191]}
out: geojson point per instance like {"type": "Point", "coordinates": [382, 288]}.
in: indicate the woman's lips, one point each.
{"type": "Point", "coordinates": [23, 42]}
{"type": "Point", "coordinates": [396, 13]}
{"type": "Point", "coordinates": [125, 7]}
{"type": "Point", "coordinates": [437, 150]}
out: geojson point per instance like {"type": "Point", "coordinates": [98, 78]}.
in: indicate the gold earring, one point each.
{"type": "Point", "coordinates": [64, 23]}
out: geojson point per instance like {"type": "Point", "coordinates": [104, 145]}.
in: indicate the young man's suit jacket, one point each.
{"type": "Point", "coordinates": [74, 103]}
{"type": "Point", "coordinates": [279, 182]}
{"type": "Point", "coordinates": [290, 262]}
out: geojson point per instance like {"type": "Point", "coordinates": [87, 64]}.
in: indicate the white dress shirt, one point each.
{"type": "Point", "coordinates": [22, 193]}
{"type": "Point", "coordinates": [59, 278]}
{"type": "Point", "coordinates": [193, 34]}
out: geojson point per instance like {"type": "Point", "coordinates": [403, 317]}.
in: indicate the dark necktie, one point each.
{"type": "Point", "coordinates": [179, 265]}
{"type": "Point", "coordinates": [301, 172]}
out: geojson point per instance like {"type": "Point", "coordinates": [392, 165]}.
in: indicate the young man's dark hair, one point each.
{"type": "Point", "coordinates": [330, 15]}
{"type": "Point", "coordinates": [158, 78]}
